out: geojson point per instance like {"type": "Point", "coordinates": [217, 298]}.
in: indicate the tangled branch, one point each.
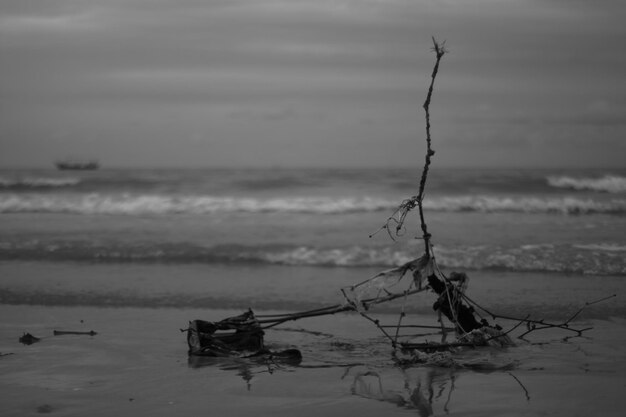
{"type": "Point", "coordinates": [415, 276]}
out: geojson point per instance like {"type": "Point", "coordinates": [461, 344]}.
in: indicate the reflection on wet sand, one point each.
{"type": "Point", "coordinates": [246, 368]}
{"type": "Point", "coordinates": [418, 393]}
{"type": "Point", "coordinates": [427, 389]}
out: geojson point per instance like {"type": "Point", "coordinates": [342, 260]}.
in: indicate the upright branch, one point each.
{"type": "Point", "coordinates": [439, 51]}
{"type": "Point", "coordinates": [399, 216]}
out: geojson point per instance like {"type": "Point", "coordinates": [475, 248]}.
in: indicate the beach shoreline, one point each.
{"type": "Point", "coordinates": [290, 288]}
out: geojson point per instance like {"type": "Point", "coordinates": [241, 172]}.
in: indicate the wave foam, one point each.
{"type": "Point", "coordinates": [568, 205]}
{"type": "Point", "coordinates": [606, 247]}
{"type": "Point", "coordinates": [132, 204]}
{"type": "Point", "coordinates": [603, 260]}
{"type": "Point", "coordinates": [37, 182]}
{"type": "Point", "coordinates": [162, 204]}
{"type": "Point", "coordinates": [608, 183]}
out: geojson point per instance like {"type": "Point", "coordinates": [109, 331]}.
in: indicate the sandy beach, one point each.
{"type": "Point", "coordinates": [137, 365]}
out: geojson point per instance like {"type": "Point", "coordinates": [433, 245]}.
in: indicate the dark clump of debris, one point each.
{"type": "Point", "coordinates": [28, 339]}
{"type": "Point", "coordinates": [240, 336]}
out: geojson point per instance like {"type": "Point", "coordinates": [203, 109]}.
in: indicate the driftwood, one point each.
{"type": "Point", "coordinates": [242, 336]}
{"type": "Point", "coordinates": [62, 332]}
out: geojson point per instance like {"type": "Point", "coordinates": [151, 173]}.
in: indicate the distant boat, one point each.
{"type": "Point", "coordinates": [78, 165]}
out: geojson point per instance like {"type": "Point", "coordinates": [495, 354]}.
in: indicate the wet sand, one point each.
{"type": "Point", "coordinates": [137, 365]}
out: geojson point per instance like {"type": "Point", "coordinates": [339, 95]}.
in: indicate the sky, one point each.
{"type": "Point", "coordinates": [315, 83]}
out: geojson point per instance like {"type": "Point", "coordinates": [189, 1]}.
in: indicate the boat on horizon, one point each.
{"type": "Point", "coordinates": [76, 165]}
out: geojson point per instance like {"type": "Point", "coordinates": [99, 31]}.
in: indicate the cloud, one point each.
{"type": "Point", "coordinates": [329, 75]}
{"type": "Point", "coordinates": [47, 24]}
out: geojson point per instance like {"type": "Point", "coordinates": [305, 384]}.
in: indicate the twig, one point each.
{"type": "Point", "coordinates": [521, 385]}
{"type": "Point", "coordinates": [588, 304]}
{"type": "Point", "coordinates": [377, 323]}
{"type": "Point", "coordinates": [305, 314]}
{"type": "Point", "coordinates": [517, 325]}
{"type": "Point", "coordinates": [440, 51]}
{"type": "Point", "coordinates": [418, 326]}
{"type": "Point", "coordinates": [61, 332]}
{"type": "Point", "coordinates": [399, 216]}
{"type": "Point", "coordinates": [534, 325]}
{"type": "Point", "coordinates": [398, 326]}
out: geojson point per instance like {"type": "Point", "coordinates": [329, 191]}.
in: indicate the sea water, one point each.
{"type": "Point", "coordinates": [161, 247]}
{"type": "Point", "coordinates": [291, 238]}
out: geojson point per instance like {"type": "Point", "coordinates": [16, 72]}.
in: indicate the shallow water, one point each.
{"type": "Point", "coordinates": [510, 220]}
{"type": "Point", "coordinates": [291, 288]}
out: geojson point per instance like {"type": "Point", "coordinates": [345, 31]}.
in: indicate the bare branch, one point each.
{"type": "Point", "coordinates": [399, 216]}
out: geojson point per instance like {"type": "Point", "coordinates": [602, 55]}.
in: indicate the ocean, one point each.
{"type": "Point", "coordinates": [134, 255]}
{"type": "Point", "coordinates": [291, 238]}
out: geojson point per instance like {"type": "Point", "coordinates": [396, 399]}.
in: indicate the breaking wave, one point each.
{"type": "Point", "coordinates": [132, 204]}
{"type": "Point", "coordinates": [608, 183]}
{"type": "Point", "coordinates": [607, 247]}
{"type": "Point", "coordinates": [162, 204]}
{"type": "Point", "coordinates": [602, 260]}
{"type": "Point", "coordinates": [28, 183]}
{"type": "Point", "coordinates": [567, 205]}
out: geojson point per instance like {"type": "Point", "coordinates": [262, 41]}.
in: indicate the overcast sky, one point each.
{"type": "Point", "coordinates": [150, 83]}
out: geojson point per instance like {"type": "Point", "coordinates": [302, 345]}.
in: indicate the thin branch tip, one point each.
{"type": "Point", "coordinates": [439, 47]}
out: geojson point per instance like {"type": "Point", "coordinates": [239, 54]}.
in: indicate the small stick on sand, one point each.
{"type": "Point", "coordinates": [60, 333]}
